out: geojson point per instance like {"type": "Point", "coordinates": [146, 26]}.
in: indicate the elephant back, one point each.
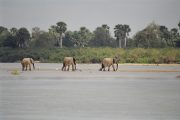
{"type": "Point", "coordinates": [68, 60]}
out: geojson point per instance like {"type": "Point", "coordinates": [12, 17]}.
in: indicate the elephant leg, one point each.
{"type": "Point", "coordinates": [26, 67]}
{"type": "Point", "coordinates": [104, 69]}
{"type": "Point", "coordinates": [102, 66]}
{"type": "Point", "coordinates": [73, 67]}
{"type": "Point", "coordinates": [30, 67]}
{"type": "Point", "coordinates": [63, 67]}
{"type": "Point", "coordinates": [108, 68]}
{"type": "Point", "coordinates": [23, 67]}
{"type": "Point", "coordinates": [113, 68]}
{"type": "Point", "coordinates": [68, 67]}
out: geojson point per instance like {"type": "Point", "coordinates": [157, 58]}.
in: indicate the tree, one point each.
{"type": "Point", "coordinates": [8, 38]}
{"type": "Point", "coordinates": [102, 37]}
{"type": "Point", "coordinates": [179, 24]}
{"type": "Point", "coordinates": [127, 30]}
{"type": "Point", "coordinates": [3, 29]}
{"type": "Point", "coordinates": [35, 33]}
{"type": "Point", "coordinates": [10, 41]}
{"type": "Point", "coordinates": [23, 37]}
{"type": "Point", "coordinates": [85, 36]}
{"type": "Point", "coordinates": [61, 29]}
{"type": "Point", "coordinates": [82, 37]}
{"type": "Point", "coordinates": [43, 41]}
{"type": "Point", "coordinates": [120, 34]}
{"type": "Point", "coordinates": [106, 28]}
{"type": "Point", "coordinates": [165, 35]}
{"type": "Point", "coordinates": [4, 33]}
{"type": "Point", "coordinates": [68, 40]}
{"type": "Point", "coordinates": [13, 31]}
{"type": "Point", "coordinates": [174, 36]}
{"type": "Point", "coordinates": [140, 39]}
{"type": "Point", "coordinates": [53, 35]}
{"type": "Point", "coordinates": [149, 37]}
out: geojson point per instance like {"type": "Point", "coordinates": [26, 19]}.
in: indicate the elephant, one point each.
{"type": "Point", "coordinates": [108, 62]}
{"type": "Point", "coordinates": [69, 61]}
{"type": "Point", "coordinates": [25, 62]}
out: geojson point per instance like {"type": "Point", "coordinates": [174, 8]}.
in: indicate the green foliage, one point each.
{"type": "Point", "coordinates": [155, 36]}
{"type": "Point", "coordinates": [23, 36]}
{"type": "Point", "coordinates": [93, 55]}
{"type": "Point", "coordinates": [102, 37]}
{"type": "Point", "coordinates": [82, 37]}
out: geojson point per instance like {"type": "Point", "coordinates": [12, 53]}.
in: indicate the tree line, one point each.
{"type": "Point", "coordinates": [152, 36]}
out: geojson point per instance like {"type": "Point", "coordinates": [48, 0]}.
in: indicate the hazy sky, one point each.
{"type": "Point", "coordinates": [89, 13]}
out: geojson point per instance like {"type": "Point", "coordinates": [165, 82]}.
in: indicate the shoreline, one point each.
{"type": "Point", "coordinates": [94, 68]}
{"type": "Point", "coordinates": [133, 64]}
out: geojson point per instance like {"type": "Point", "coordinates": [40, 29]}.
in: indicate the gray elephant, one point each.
{"type": "Point", "coordinates": [26, 62]}
{"type": "Point", "coordinates": [67, 62]}
{"type": "Point", "coordinates": [108, 62]}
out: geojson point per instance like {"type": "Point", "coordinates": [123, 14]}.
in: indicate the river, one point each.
{"type": "Point", "coordinates": [134, 92]}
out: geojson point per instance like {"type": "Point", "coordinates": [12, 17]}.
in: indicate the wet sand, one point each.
{"type": "Point", "coordinates": [134, 92]}
{"type": "Point", "coordinates": [53, 70]}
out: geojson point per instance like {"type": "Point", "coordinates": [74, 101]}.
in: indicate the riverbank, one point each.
{"type": "Point", "coordinates": [53, 70]}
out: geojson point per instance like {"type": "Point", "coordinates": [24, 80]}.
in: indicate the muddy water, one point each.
{"type": "Point", "coordinates": [131, 93]}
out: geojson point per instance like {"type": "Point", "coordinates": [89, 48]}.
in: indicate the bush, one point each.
{"type": "Point", "coordinates": [93, 55]}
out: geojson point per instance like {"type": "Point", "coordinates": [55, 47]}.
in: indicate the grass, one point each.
{"type": "Point", "coordinates": [15, 72]}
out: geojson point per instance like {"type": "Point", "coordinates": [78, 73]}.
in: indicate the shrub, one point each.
{"type": "Point", "coordinates": [92, 55]}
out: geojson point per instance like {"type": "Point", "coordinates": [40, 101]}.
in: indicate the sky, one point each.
{"type": "Point", "coordinates": [89, 13]}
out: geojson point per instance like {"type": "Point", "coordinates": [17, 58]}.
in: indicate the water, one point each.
{"type": "Point", "coordinates": [88, 94]}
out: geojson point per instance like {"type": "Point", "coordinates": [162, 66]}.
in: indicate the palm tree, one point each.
{"type": "Point", "coordinates": [106, 27]}
{"type": "Point", "coordinates": [61, 29]}
{"type": "Point", "coordinates": [119, 33]}
{"type": "Point", "coordinates": [127, 29]}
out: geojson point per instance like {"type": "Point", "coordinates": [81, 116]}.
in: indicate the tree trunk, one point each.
{"type": "Point", "coordinates": [125, 41]}
{"type": "Point", "coordinates": [119, 43]}
{"type": "Point", "coordinates": [172, 43]}
{"type": "Point", "coordinates": [61, 42]}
